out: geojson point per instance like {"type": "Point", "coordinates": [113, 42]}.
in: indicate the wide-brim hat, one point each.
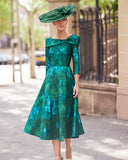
{"type": "Point", "coordinates": [57, 14]}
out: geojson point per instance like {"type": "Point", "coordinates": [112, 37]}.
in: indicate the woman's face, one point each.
{"type": "Point", "coordinates": [61, 24]}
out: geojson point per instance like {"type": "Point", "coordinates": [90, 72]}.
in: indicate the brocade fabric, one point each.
{"type": "Point", "coordinates": [55, 114]}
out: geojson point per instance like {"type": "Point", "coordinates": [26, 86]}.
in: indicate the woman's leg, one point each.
{"type": "Point", "coordinates": [68, 145]}
{"type": "Point", "coordinates": [57, 148]}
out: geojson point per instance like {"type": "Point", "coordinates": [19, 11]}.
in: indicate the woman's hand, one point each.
{"type": "Point", "coordinates": [76, 86]}
{"type": "Point", "coordinates": [77, 90]}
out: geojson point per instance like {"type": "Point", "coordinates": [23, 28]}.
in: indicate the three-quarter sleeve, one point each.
{"type": "Point", "coordinates": [47, 57]}
{"type": "Point", "coordinates": [75, 55]}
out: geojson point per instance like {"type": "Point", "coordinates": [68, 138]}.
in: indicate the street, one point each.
{"type": "Point", "coordinates": [105, 138]}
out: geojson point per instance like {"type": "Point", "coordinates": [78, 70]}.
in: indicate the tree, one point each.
{"type": "Point", "coordinates": [38, 33]}
{"type": "Point", "coordinates": [32, 7]}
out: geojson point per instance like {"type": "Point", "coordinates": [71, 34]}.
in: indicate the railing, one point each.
{"type": "Point", "coordinates": [108, 44]}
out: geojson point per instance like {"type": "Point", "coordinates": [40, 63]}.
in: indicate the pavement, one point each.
{"type": "Point", "coordinates": [105, 138]}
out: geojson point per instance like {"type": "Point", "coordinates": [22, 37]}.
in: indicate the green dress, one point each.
{"type": "Point", "coordinates": [55, 114]}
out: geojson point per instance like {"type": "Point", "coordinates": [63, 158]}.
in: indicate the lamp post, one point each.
{"type": "Point", "coordinates": [98, 43]}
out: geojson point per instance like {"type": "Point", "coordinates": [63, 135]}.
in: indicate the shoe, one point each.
{"type": "Point", "coordinates": [59, 158]}
{"type": "Point", "coordinates": [69, 148]}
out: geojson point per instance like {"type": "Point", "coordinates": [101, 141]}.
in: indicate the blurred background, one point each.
{"type": "Point", "coordinates": [103, 100]}
{"type": "Point", "coordinates": [22, 38]}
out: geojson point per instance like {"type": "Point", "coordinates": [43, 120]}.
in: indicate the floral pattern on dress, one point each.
{"type": "Point", "coordinates": [54, 114]}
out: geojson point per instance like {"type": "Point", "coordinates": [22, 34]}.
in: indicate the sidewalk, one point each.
{"type": "Point", "coordinates": [105, 138]}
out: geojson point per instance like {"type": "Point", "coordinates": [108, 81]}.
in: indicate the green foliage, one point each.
{"type": "Point", "coordinates": [115, 5]}
{"type": "Point", "coordinates": [102, 3]}
{"type": "Point", "coordinates": [36, 7]}
{"type": "Point", "coordinates": [24, 30]}
{"type": "Point", "coordinates": [5, 17]}
{"type": "Point", "coordinates": [39, 33]}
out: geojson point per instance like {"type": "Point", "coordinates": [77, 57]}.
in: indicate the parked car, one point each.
{"type": "Point", "coordinates": [40, 58]}
{"type": "Point", "coordinates": [3, 59]}
{"type": "Point", "coordinates": [16, 59]}
{"type": "Point", "coordinates": [9, 58]}
{"type": "Point", "coordinates": [24, 58]}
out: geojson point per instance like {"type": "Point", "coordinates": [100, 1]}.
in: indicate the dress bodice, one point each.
{"type": "Point", "coordinates": [60, 51]}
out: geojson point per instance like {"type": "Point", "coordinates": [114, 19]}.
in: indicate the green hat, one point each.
{"type": "Point", "coordinates": [57, 14]}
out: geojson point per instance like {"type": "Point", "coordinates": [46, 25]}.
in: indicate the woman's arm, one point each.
{"type": "Point", "coordinates": [76, 67]}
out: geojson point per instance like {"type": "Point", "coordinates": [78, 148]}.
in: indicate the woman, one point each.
{"type": "Point", "coordinates": [54, 115]}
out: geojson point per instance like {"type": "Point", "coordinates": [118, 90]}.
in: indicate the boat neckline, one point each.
{"type": "Point", "coordinates": [62, 39]}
